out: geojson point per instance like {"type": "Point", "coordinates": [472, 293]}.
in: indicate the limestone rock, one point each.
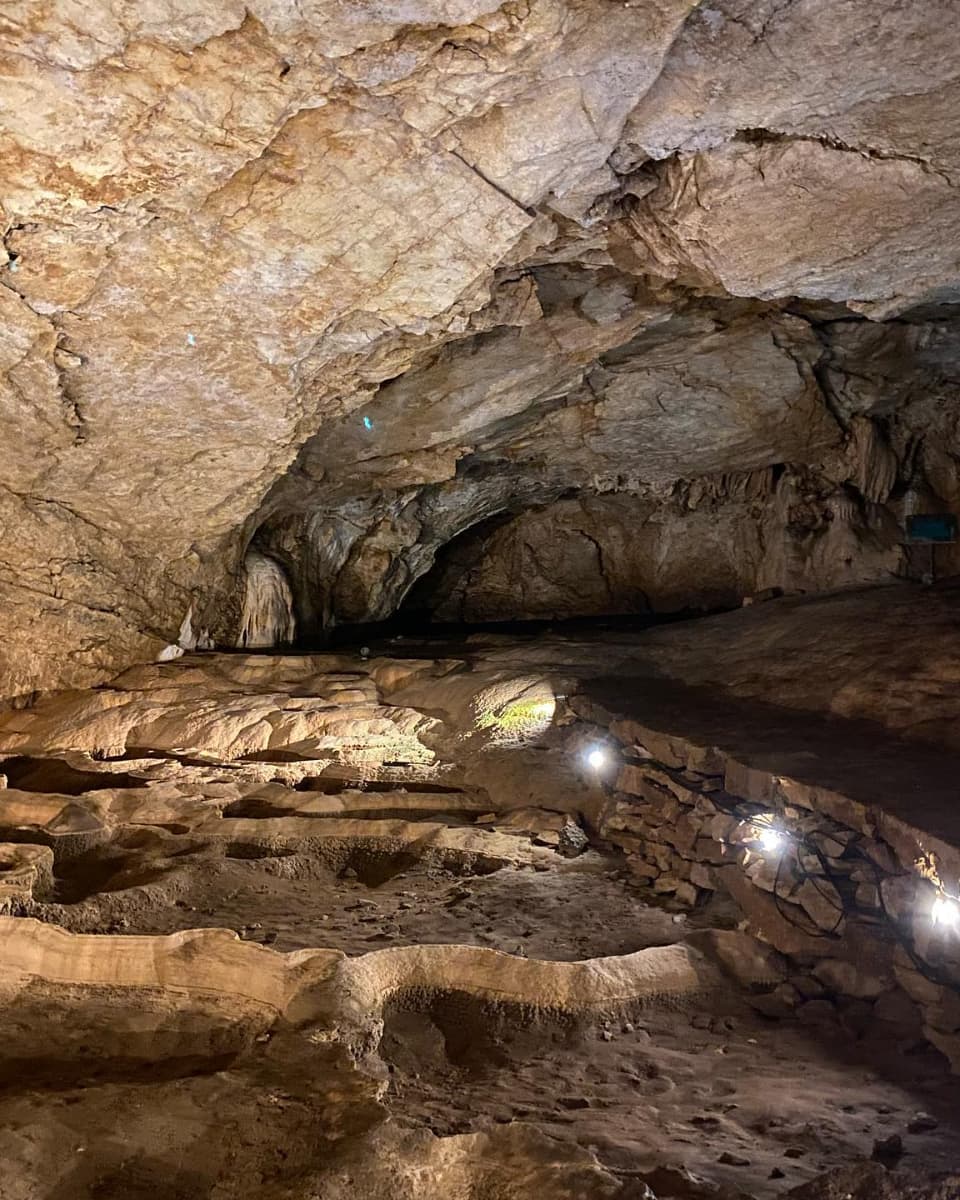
{"type": "Point", "coordinates": [797, 657]}
{"type": "Point", "coordinates": [822, 903]}
{"type": "Point", "coordinates": [701, 224]}
{"type": "Point", "coordinates": [845, 979]}
{"type": "Point", "coordinates": [542, 310]}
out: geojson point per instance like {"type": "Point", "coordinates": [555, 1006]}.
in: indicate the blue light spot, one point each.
{"type": "Point", "coordinates": [367, 423]}
{"type": "Point", "coordinates": [191, 339]}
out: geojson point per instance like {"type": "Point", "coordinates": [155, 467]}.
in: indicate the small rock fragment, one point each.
{"type": "Point", "coordinates": [573, 840]}
{"type": "Point", "coordinates": [888, 1149]}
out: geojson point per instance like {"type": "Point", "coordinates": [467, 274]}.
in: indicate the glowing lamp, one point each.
{"type": "Point", "coordinates": [597, 758]}
{"type": "Point", "coordinates": [771, 839]}
{"type": "Point", "coordinates": [946, 912]}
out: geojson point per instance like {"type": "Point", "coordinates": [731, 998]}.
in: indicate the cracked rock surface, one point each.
{"type": "Point", "coordinates": [502, 311]}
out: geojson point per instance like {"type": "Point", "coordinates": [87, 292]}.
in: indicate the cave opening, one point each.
{"type": "Point", "coordinates": [416, 621]}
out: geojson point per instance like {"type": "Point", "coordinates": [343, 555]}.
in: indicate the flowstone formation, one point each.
{"type": "Point", "coordinates": [525, 917]}
{"type": "Point", "coordinates": [315, 311]}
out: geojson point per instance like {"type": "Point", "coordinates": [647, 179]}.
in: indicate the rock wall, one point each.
{"type": "Point", "coordinates": [339, 283]}
{"type": "Point", "coordinates": [848, 896]}
{"type": "Point", "coordinates": [711, 545]}
{"type": "Point", "coordinates": [507, 498]}
{"type": "Point", "coordinates": [885, 657]}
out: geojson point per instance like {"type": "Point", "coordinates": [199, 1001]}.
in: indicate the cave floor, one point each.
{"type": "Point", "coordinates": [336, 813]}
{"type": "Point", "coordinates": [709, 1087]}
{"type": "Point", "coordinates": [577, 909]}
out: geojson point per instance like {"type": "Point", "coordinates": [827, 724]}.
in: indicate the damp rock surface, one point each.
{"type": "Point", "coordinates": [299, 924]}
{"type": "Point", "coordinates": [328, 328]}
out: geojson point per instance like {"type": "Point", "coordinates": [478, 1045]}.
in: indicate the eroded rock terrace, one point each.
{"type": "Point", "coordinates": [385, 920]}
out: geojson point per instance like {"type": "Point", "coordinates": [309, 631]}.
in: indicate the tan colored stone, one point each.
{"type": "Point", "coordinates": [723, 826]}
{"type": "Point", "coordinates": [822, 903]}
{"type": "Point", "coordinates": [706, 850]}
{"type": "Point", "coordinates": [751, 783]}
{"type": "Point", "coordinates": [729, 192]}
{"type": "Point", "coordinates": [640, 869]}
{"type": "Point", "coordinates": [26, 874]}
{"type": "Point", "coordinates": [682, 834]}
{"type": "Point", "coordinates": [631, 778]}
{"type": "Point", "coordinates": [845, 979]}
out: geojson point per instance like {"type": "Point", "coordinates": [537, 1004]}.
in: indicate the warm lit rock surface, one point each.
{"type": "Point", "coordinates": [315, 314]}
{"type": "Point", "coordinates": [470, 957]}
{"type": "Point", "coordinates": [616, 554]}
{"type": "Point", "coordinates": [888, 656]}
{"type": "Point", "coordinates": [552, 252]}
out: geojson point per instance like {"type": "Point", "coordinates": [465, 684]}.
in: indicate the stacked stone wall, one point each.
{"type": "Point", "coordinates": [844, 892]}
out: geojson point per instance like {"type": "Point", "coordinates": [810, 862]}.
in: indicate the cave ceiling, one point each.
{"type": "Point", "coordinates": [332, 284]}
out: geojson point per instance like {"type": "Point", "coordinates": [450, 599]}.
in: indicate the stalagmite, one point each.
{"type": "Point", "coordinates": [267, 619]}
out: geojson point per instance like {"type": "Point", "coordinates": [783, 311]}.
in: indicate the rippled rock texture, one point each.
{"type": "Point", "coordinates": [322, 925]}
{"type": "Point", "coordinates": [341, 292]}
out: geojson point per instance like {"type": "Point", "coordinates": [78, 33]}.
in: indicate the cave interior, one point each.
{"type": "Point", "coordinates": [480, 600]}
